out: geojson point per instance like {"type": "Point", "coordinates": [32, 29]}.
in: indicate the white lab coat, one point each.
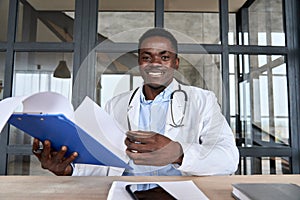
{"type": "Point", "coordinates": [216, 155]}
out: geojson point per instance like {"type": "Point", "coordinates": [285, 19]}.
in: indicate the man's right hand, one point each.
{"type": "Point", "coordinates": [56, 162]}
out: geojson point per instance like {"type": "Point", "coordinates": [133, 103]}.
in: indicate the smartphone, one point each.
{"type": "Point", "coordinates": [148, 191]}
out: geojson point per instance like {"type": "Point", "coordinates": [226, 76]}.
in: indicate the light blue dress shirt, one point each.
{"type": "Point", "coordinates": [153, 114]}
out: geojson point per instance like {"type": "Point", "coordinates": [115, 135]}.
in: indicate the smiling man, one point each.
{"type": "Point", "coordinates": [173, 129]}
{"type": "Point", "coordinates": [157, 60]}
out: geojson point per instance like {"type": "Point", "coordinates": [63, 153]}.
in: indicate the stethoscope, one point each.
{"type": "Point", "coordinates": [174, 125]}
{"type": "Point", "coordinates": [180, 124]}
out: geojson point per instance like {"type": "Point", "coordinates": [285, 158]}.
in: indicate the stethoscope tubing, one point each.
{"type": "Point", "coordinates": [180, 124]}
{"type": "Point", "coordinates": [175, 125]}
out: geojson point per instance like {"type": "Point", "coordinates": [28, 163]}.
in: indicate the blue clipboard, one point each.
{"type": "Point", "coordinates": [61, 131]}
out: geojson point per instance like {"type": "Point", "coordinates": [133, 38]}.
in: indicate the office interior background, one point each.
{"type": "Point", "coordinates": [246, 51]}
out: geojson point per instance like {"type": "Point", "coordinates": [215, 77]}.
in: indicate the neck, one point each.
{"type": "Point", "coordinates": [151, 92]}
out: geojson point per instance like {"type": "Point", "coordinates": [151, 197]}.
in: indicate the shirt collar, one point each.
{"type": "Point", "coordinates": [162, 97]}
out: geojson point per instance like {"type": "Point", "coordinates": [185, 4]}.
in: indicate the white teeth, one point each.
{"type": "Point", "coordinates": [155, 73]}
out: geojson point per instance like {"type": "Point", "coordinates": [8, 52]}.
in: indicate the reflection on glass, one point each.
{"type": "Point", "coordinates": [4, 4]}
{"type": "Point", "coordinates": [112, 24]}
{"type": "Point", "coordinates": [281, 121]}
{"type": "Point", "coordinates": [268, 97]}
{"type": "Point", "coordinates": [233, 95]}
{"type": "Point", "coordinates": [266, 23]}
{"type": "Point", "coordinates": [232, 29]}
{"type": "Point", "coordinates": [201, 27]}
{"type": "Point", "coordinates": [199, 70]}
{"type": "Point", "coordinates": [232, 89]}
{"type": "Point", "coordinates": [25, 165]}
{"type": "Point", "coordinates": [37, 25]}
{"type": "Point", "coordinates": [264, 110]}
{"type": "Point", "coordinates": [2, 67]}
{"type": "Point", "coordinates": [112, 85]}
{"type": "Point", "coordinates": [245, 111]}
{"type": "Point", "coordinates": [267, 165]}
{"type": "Point", "coordinates": [33, 72]}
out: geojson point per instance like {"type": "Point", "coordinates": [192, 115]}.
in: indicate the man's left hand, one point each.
{"type": "Point", "coordinates": [150, 148]}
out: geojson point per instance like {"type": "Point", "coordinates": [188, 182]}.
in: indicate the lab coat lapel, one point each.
{"type": "Point", "coordinates": [134, 110]}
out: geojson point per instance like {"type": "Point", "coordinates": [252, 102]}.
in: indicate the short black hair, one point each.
{"type": "Point", "coordinates": [161, 33]}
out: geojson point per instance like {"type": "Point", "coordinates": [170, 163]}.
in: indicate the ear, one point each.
{"type": "Point", "coordinates": [176, 66]}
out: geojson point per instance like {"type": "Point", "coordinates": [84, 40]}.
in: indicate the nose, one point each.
{"type": "Point", "coordinates": [157, 60]}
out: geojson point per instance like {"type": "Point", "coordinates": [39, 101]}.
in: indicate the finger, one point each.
{"type": "Point", "coordinates": [138, 147]}
{"type": "Point", "coordinates": [36, 149]}
{"type": "Point", "coordinates": [138, 135]}
{"type": "Point", "coordinates": [61, 154]}
{"type": "Point", "coordinates": [140, 158]}
{"type": "Point", "coordinates": [71, 158]}
{"type": "Point", "coordinates": [66, 164]}
{"type": "Point", "coordinates": [141, 140]}
{"type": "Point", "coordinates": [141, 148]}
{"type": "Point", "coordinates": [132, 155]}
{"type": "Point", "coordinates": [47, 150]}
{"type": "Point", "coordinates": [35, 144]}
{"type": "Point", "coordinates": [129, 143]}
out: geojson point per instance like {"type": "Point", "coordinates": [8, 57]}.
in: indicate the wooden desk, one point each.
{"type": "Point", "coordinates": [54, 187]}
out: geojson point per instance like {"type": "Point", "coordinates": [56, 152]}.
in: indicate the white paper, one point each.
{"type": "Point", "coordinates": [102, 127]}
{"type": "Point", "coordinates": [179, 189]}
{"type": "Point", "coordinates": [7, 107]}
{"type": "Point", "coordinates": [49, 103]}
{"type": "Point", "coordinates": [43, 102]}
{"type": "Point", "coordinates": [89, 116]}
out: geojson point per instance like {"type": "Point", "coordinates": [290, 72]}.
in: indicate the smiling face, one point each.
{"type": "Point", "coordinates": [157, 61]}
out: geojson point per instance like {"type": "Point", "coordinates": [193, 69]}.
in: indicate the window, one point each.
{"type": "Point", "coordinates": [266, 23]}
{"type": "Point", "coordinates": [4, 4]}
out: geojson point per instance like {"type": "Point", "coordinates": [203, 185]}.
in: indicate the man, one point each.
{"type": "Point", "coordinates": [187, 135]}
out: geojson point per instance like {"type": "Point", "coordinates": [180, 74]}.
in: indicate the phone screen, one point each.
{"type": "Point", "coordinates": [148, 191]}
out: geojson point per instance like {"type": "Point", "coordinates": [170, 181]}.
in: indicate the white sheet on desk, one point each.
{"type": "Point", "coordinates": [179, 189]}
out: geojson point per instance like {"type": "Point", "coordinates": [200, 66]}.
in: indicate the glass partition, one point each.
{"type": "Point", "coordinates": [265, 165]}
{"type": "Point", "coordinates": [26, 165]}
{"type": "Point", "coordinates": [41, 22]}
{"type": "Point", "coordinates": [233, 94]}
{"type": "Point", "coordinates": [127, 16]}
{"type": "Point", "coordinates": [232, 40]}
{"type": "Point", "coordinates": [266, 25]}
{"type": "Point", "coordinates": [33, 72]}
{"type": "Point", "coordinates": [2, 67]}
{"type": "Point", "coordinates": [197, 19]}
{"type": "Point", "coordinates": [4, 4]}
{"type": "Point", "coordinates": [113, 25]}
{"type": "Point", "coordinates": [264, 101]}
{"type": "Point", "coordinates": [202, 27]}
{"type": "Point", "coordinates": [263, 97]}
{"type": "Point", "coordinates": [119, 73]}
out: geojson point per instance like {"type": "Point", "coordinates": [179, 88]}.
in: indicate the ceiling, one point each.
{"type": "Point", "coordinates": [140, 5]}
